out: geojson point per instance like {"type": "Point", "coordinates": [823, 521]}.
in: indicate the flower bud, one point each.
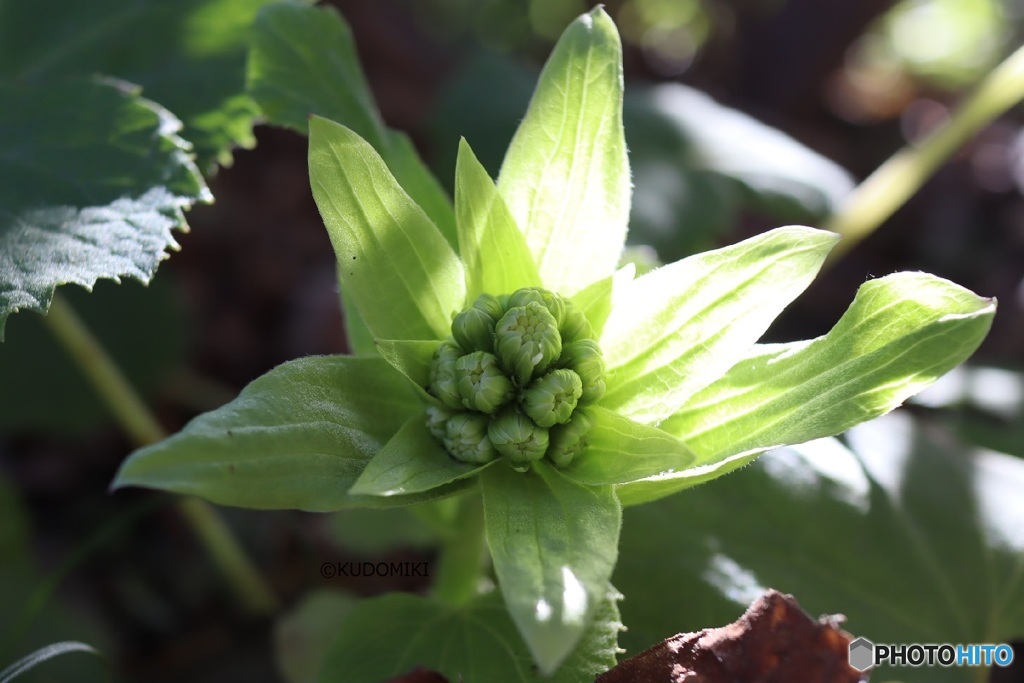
{"type": "Point", "coordinates": [491, 305]}
{"type": "Point", "coordinates": [517, 438]}
{"type": "Point", "coordinates": [569, 440]}
{"type": "Point", "coordinates": [473, 329]}
{"type": "Point", "coordinates": [442, 382]}
{"type": "Point", "coordinates": [523, 296]}
{"type": "Point", "coordinates": [550, 399]}
{"type": "Point", "coordinates": [482, 384]}
{"type": "Point", "coordinates": [437, 418]}
{"type": "Point", "coordinates": [584, 357]}
{"type": "Point", "coordinates": [466, 438]}
{"type": "Point", "coordinates": [527, 340]}
{"type": "Point", "coordinates": [574, 325]}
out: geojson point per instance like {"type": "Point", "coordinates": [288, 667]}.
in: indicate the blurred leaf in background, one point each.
{"type": "Point", "coordinates": [915, 538]}
{"type": "Point", "coordinates": [188, 55]}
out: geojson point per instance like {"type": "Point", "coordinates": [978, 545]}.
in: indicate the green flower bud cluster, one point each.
{"type": "Point", "coordinates": [514, 380]}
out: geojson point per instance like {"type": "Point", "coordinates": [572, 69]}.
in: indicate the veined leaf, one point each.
{"type": "Point", "coordinates": [303, 61]}
{"type": "Point", "coordinates": [405, 279]}
{"type": "Point", "coordinates": [596, 299]}
{"type": "Point", "coordinates": [680, 327]}
{"type": "Point", "coordinates": [297, 437]}
{"type": "Point", "coordinates": [620, 451]}
{"type": "Point", "coordinates": [411, 462]}
{"type": "Point", "coordinates": [493, 249]}
{"type": "Point", "coordinates": [900, 334]}
{"type": "Point", "coordinates": [913, 538]}
{"type": "Point", "coordinates": [386, 637]}
{"type": "Point", "coordinates": [566, 176]}
{"type": "Point", "coordinates": [93, 179]}
{"type": "Point", "coordinates": [554, 545]}
{"type": "Point", "coordinates": [411, 358]}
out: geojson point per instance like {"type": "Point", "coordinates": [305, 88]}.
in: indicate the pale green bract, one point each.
{"type": "Point", "coordinates": [671, 387]}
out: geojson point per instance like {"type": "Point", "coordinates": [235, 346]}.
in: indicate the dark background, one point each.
{"type": "Point", "coordinates": [254, 284]}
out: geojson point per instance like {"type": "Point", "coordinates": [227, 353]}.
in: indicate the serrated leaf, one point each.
{"type": "Point", "coordinates": [93, 180]}
{"type": "Point", "coordinates": [899, 335]}
{"type": "Point", "coordinates": [554, 545]}
{"type": "Point", "coordinates": [405, 279]}
{"type": "Point", "coordinates": [297, 437]}
{"type": "Point", "coordinates": [412, 461]}
{"type": "Point", "coordinates": [913, 538]}
{"type": "Point", "coordinates": [303, 61]}
{"type": "Point", "coordinates": [566, 176]}
{"type": "Point", "coordinates": [390, 636]}
{"type": "Point", "coordinates": [620, 450]}
{"type": "Point", "coordinates": [680, 327]}
{"type": "Point", "coordinates": [188, 55]}
{"type": "Point", "coordinates": [493, 249]}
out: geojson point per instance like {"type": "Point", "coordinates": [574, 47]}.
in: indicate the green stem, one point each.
{"type": "Point", "coordinates": [889, 187]}
{"type": "Point", "coordinates": [460, 566]}
{"type": "Point", "coordinates": [142, 427]}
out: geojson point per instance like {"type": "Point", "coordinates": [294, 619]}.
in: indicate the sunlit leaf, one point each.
{"type": "Point", "coordinates": [554, 545]}
{"type": "Point", "coordinates": [678, 328]}
{"type": "Point", "coordinates": [566, 176]}
{"type": "Point", "coordinates": [93, 180]}
{"type": "Point", "coordinates": [297, 437]}
{"type": "Point", "coordinates": [405, 279]}
{"type": "Point", "coordinates": [411, 462]}
{"type": "Point", "coordinates": [493, 249]}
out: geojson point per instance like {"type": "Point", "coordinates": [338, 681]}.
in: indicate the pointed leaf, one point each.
{"type": "Point", "coordinates": [387, 637]}
{"type": "Point", "coordinates": [298, 437]}
{"type": "Point", "coordinates": [411, 462]}
{"type": "Point", "coordinates": [404, 277]}
{"type": "Point", "coordinates": [93, 179]}
{"type": "Point", "coordinates": [678, 328]}
{"type": "Point", "coordinates": [554, 545]}
{"type": "Point", "coordinates": [188, 55]}
{"type": "Point", "coordinates": [620, 450]}
{"type": "Point", "coordinates": [416, 179]}
{"type": "Point", "coordinates": [595, 300]}
{"type": "Point", "coordinates": [914, 538]}
{"type": "Point", "coordinates": [411, 358]}
{"type": "Point", "coordinates": [900, 334]}
{"type": "Point", "coordinates": [566, 176]}
{"type": "Point", "coordinates": [492, 247]}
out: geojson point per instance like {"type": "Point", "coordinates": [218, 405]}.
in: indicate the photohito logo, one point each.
{"type": "Point", "coordinates": [864, 654]}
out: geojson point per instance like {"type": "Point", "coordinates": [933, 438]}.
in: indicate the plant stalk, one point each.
{"type": "Point", "coordinates": [889, 187]}
{"type": "Point", "coordinates": [142, 428]}
{"type": "Point", "coordinates": [460, 566]}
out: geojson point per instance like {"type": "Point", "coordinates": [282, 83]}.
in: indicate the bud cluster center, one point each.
{"type": "Point", "coordinates": [514, 380]}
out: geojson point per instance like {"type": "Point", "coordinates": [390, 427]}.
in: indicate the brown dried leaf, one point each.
{"type": "Point", "coordinates": [775, 641]}
{"type": "Point", "coordinates": [420, 675]}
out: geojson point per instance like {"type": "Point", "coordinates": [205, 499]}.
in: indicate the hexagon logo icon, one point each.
{"type": "Point", "coordinates": [862, 654]}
